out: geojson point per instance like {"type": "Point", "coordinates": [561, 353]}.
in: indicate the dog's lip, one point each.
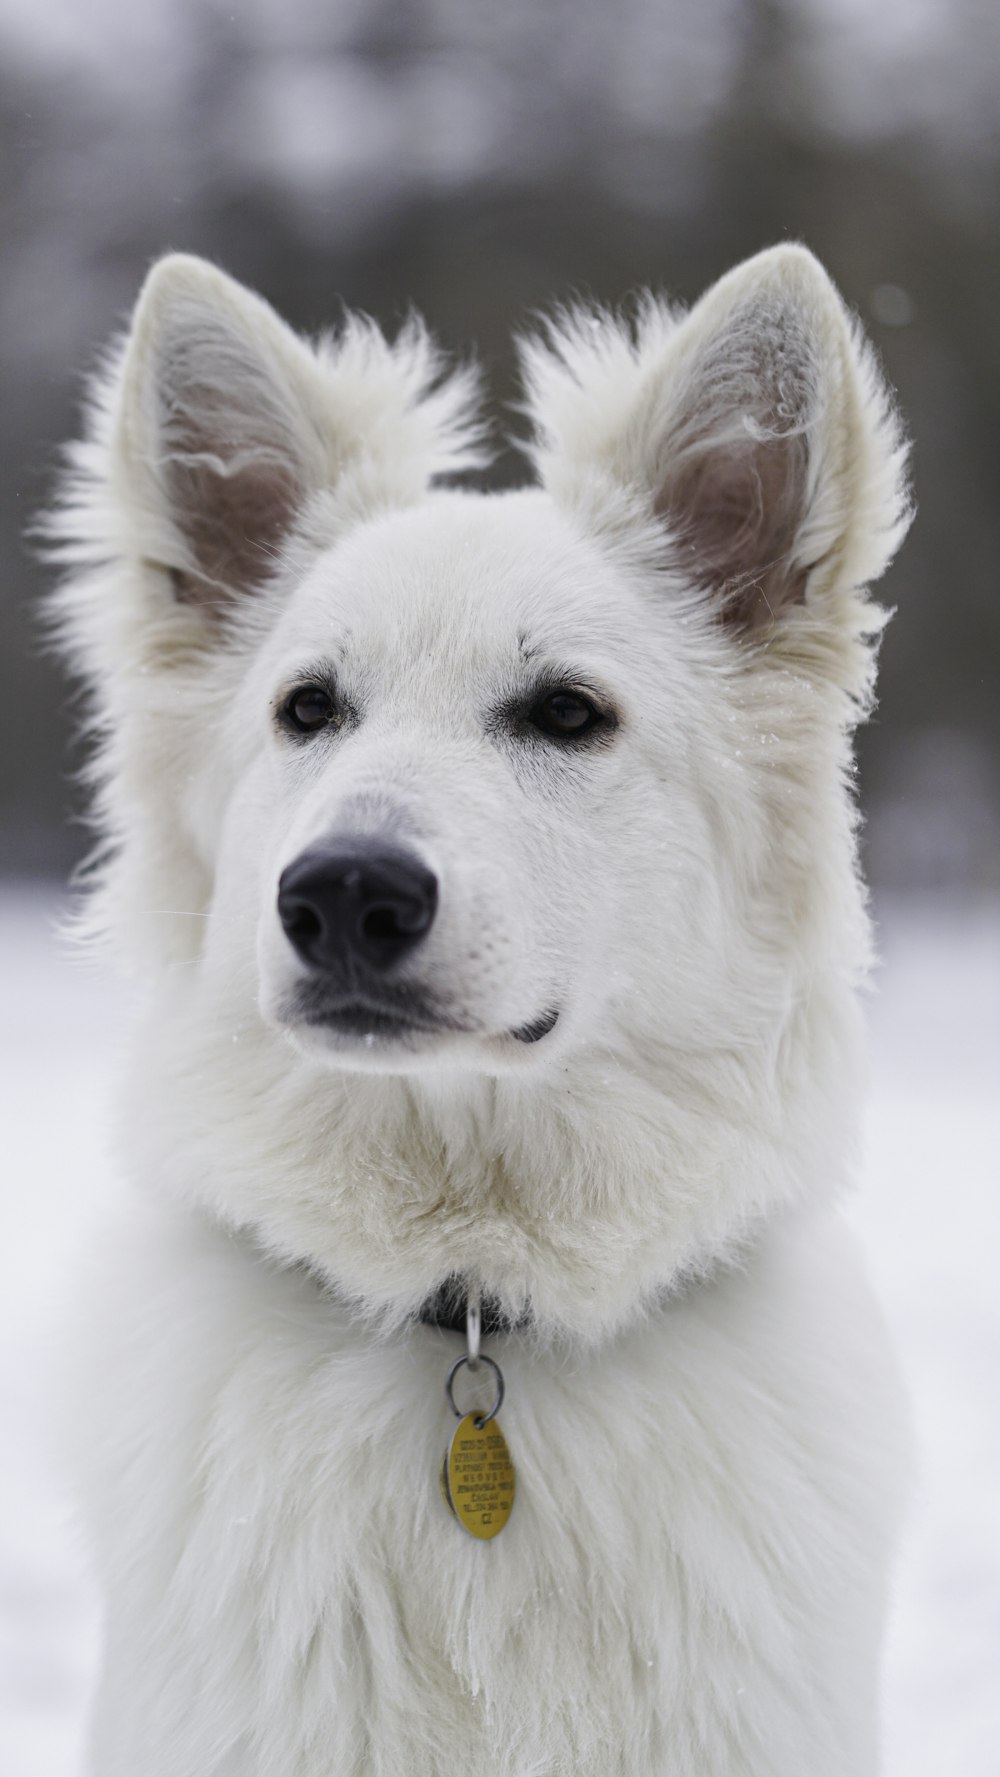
{"type": "Point", "coordinates": [538, 1028]}
{"type": "Point", "coordinates": [373, 1018]}
{"type": "Point", "coordinates": [368, 1016]}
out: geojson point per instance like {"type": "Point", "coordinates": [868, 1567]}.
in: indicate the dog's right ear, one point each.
{"type": "Point", "coordinates": [219, 432]}
{"type": "Point", "coordinates": [220, 436]}
{"type": "Point", "coordinates": [221, 452]}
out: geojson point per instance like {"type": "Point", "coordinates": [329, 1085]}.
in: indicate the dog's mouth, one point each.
{"type": "Point", "coordinates": [370, 1019]}
{"type": "Point", "coordinates": [375, 1019]}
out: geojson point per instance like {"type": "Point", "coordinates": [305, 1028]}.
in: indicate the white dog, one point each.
{"type": "Point", "coordinates": [487, 867]}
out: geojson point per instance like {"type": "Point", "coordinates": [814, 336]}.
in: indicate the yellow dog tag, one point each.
{"type": "Point", "coordinates": [478, 1477]}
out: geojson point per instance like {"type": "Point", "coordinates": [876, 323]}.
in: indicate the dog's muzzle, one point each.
{"type": "Point", "coordinates": [354, 911]}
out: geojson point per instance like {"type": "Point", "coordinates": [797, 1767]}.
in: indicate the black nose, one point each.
{"type": "Point", "coordinates": [359, 903]}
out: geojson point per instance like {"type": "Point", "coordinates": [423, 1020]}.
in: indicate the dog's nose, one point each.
{"type": "Point", "coordinates": [356, 904]}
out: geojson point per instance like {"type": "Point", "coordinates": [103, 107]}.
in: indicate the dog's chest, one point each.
{"type": "Point", "coordinates": [288, 1566]}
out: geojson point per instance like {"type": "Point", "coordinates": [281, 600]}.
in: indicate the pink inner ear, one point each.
{"type": "Point", "coordinates": [231, 475]}
{"type": "Point", "coordinates": [233, 522]}
{"type": "Point", "coordinates": [735, 509]}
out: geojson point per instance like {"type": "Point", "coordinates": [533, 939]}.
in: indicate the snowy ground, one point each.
{"type": "Point", "coordinates": [929, 1214]}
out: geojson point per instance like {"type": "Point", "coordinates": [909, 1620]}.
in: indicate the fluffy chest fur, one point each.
{"type": "Point", "coordinates": [692, 1580]}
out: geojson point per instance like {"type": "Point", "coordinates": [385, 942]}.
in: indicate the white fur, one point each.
{"type": "Point", "coordinates": [703, 1414]}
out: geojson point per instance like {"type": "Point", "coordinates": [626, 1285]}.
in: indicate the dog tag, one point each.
{"type": "Point", "coordinates": [478, 1477]}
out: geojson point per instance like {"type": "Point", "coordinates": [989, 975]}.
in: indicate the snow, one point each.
{"type": "Point", "coordinates": [929, 1214]}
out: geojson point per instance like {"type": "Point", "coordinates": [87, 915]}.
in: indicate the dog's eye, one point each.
{"type": "Point", "coordinates": [308, 709]}
{"type": "Point", "coordinates": [565, 715]}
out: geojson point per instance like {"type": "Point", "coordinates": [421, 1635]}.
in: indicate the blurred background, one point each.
{"type": "Point", "coordinates": [476, 160]}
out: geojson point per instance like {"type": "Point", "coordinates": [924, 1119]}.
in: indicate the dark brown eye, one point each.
{"type": "Point", "coordinates": [308, 709]}
{"type": "Point", "coordinates": [565, 715]}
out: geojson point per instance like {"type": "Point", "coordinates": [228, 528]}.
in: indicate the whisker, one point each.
{"type": "Point", "coordinates": [175, 913]}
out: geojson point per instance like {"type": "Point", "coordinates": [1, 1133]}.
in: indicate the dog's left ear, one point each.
{"type": "Point", "coordinates": [755, 433]}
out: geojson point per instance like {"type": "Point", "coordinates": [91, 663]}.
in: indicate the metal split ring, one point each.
{"type": "Point", "coordinates": [481, 1418]}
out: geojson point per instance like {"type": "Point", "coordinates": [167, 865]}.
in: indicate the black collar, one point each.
{"type": "Point", "coordinates": [446, 1308]}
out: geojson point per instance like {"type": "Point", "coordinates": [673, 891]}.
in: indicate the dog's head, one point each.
{"type": "Point", "coordinates": [531, 808]}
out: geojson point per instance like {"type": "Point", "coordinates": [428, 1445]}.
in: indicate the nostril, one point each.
{"type": "Point", "coordinates": [395, 924]}
{"type": "Point", "coordinates": [381, 925]}
{"type": "Point", "coordinates": [300, 920]}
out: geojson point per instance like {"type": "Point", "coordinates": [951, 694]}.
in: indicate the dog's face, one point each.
{"type": "Point", "coordinates": [543, 787]}
{"type": "Point", "coordinates": [451, 832]}
{"type": "Point", "coordinates": [449, 695]}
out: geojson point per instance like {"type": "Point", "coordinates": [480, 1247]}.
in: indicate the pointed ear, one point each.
{"type": "Point", "coordinates": [755, 431]}
{"type": "Point", "coordinates": [227, 424]}
{"type": "Point", "coordinates": [216, 444]}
